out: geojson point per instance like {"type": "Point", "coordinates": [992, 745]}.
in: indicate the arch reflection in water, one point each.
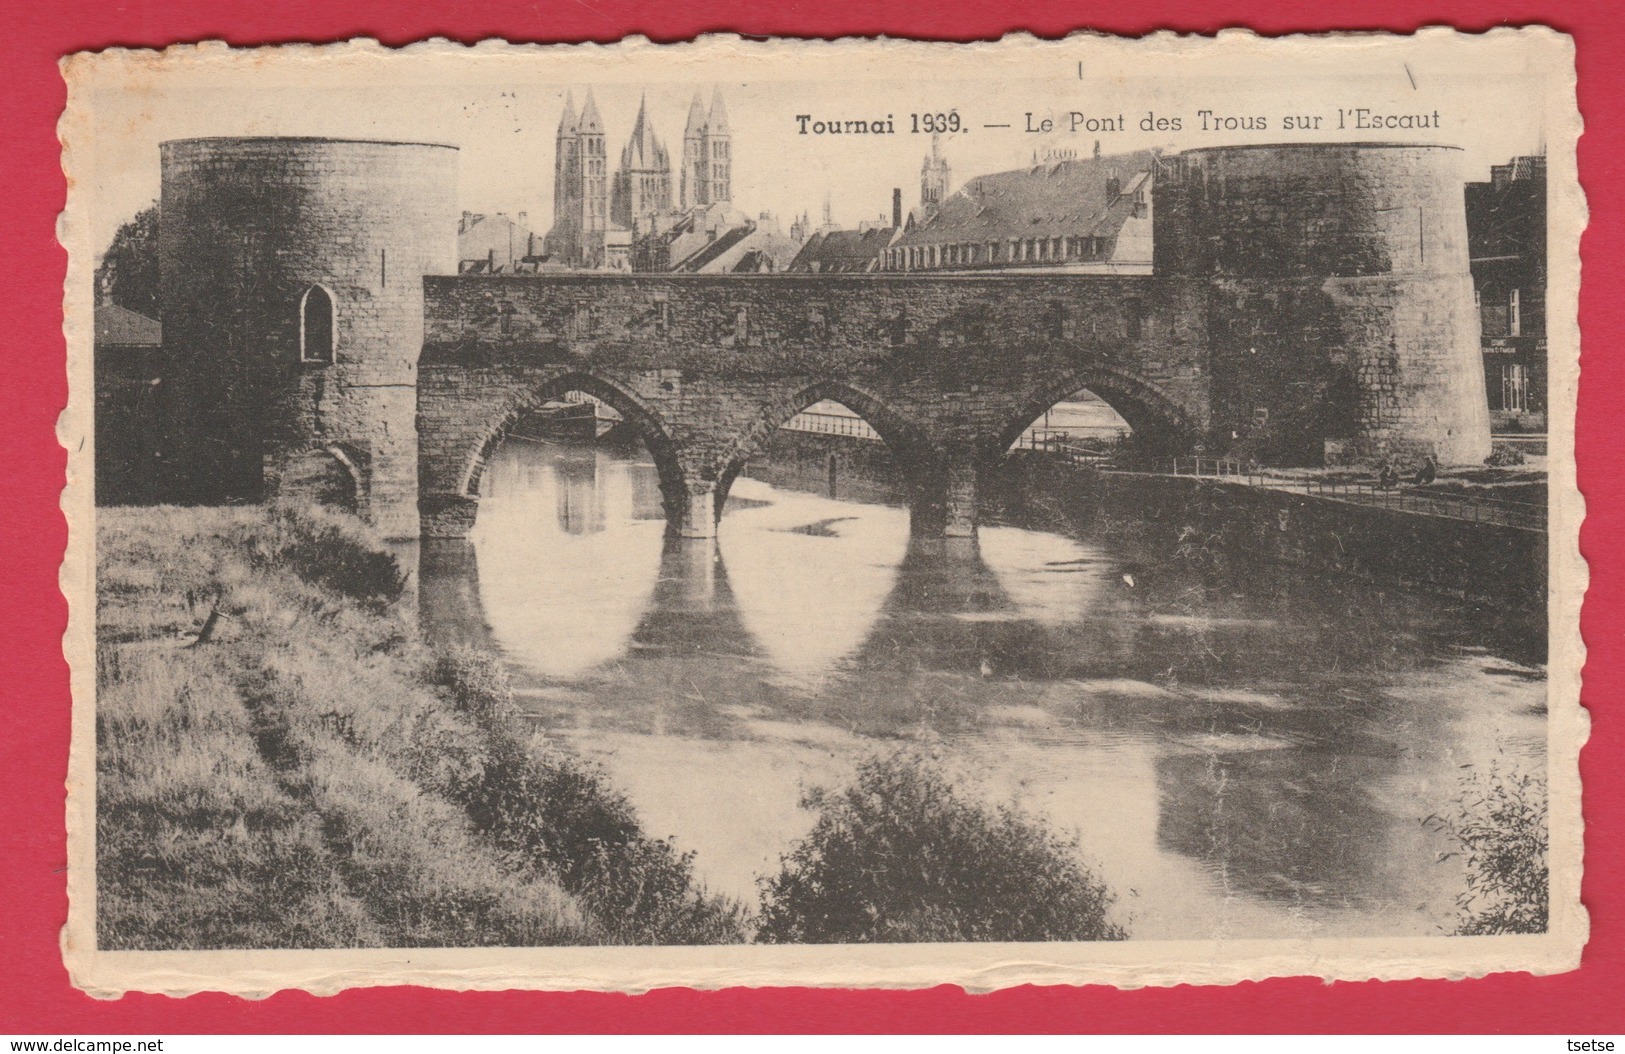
{"type": "Point", "coordinates": [1242, 756]}
{"type": "Point", "coordinates": [571, 579]}
{"type": "Point", "coordinates": [810, 575]}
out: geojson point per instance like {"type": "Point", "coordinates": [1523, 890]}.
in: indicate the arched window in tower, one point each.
{"type": "Point", "coordinates": [317, 334]}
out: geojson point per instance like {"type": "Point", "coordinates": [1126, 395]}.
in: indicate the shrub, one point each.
{"type": "Point", "coordinates": [558, 815]}
{"type": "Point", "coordinates": [898, 856]}
{"type": "Point", "coordinates": [1503, 455]}
{"type": "Point", "coordinates": [1499, 829]}
{"type": "Point", "coordinates": [477, 682]}
{"type": "Point", "coordinates": [330, 550]}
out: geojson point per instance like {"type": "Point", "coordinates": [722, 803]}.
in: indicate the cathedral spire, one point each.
{"type": "Point", "coordinates": [590, 121]}
{"type": "Point", "coordinates": [717, 123]}
{"type": "Point", "coordinates": [567, 120]}
{"type": "Point", "coordinates": [696, 118]}
{"type": "Point", "coordinates": [644, 147]}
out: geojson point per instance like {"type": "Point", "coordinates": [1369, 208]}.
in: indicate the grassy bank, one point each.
{"type": "Point", "coordinates": [281, 763]}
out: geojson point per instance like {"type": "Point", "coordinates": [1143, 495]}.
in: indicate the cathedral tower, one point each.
{"type": "Point", "coordinates": [719, 151]}
{"type": "Point", "coordinates": [580, 187]}
{"type": "Point", "coordinates": [707, 176]}
{"type": "Point", "coordinates": [594, 166]}
{"type": "Point", "coordinates": [564, 240]}
{"type": "Point", "coordinates": [642, 190]}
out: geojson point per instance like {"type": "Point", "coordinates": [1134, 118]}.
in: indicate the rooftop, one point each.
{"type": "Point", "coordinates": [1061, 198]}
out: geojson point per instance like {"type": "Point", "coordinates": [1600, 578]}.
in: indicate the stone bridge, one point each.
{"type": "Point", "coordinates": [1308, 302]}
{"type": "Point", "coordinates": [949, 370]}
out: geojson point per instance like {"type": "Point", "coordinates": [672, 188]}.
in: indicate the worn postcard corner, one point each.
{"type": "Point", "coordinates": [860, 513]}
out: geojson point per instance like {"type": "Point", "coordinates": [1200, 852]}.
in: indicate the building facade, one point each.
{"type": "Point", "coordinates": [1084, 215]}
{"type": "Point", "coordinates": [1506, 235]}
{"type": "Point", "coordinates": [496, 244]}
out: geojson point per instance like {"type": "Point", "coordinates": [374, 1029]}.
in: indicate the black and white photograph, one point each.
{"type": "Point", "coordinates": [858, 512]}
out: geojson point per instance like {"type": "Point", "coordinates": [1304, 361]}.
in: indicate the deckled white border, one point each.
{"type": "Point", "coordinates": [976, 967]}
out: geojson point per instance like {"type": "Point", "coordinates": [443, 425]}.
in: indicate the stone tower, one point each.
{"type": "Point", "coordinates": [719, 151]}
{"type": "Point", "coordinates": [642, 188]}
{"type": "Point", "coordinates": [580, 187]}
{"type": "Point", "coordinates": [707, 173]}
{"type": "Point", "coordinates": [935, 181]}
{"type": "Point", "coordinates": [594, 167]}
{"type": "Point", "coordinates": [291, 283]}
{"type": "Point", "coordinates": [1338, 302]}
{"type": "Point", "coordinates": [564, 240]}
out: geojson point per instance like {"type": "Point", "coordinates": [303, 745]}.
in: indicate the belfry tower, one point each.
{"type": "Point", "coordinates": [935, 178]}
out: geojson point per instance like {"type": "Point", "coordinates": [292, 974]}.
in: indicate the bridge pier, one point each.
{"type": "Point", "coordinates": [960, 503]}
{"type": "Point", "coordinates": [446, 515]}
{"type": "Point", "coordinates": [944, 499]}
{"type": "Point", "coordinates": [692, 513]}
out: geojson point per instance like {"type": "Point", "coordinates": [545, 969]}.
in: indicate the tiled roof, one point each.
{"type": "Point", "coordinates": [1059, 199]}
{"type": "Point", "coordinates": [843, 251]}
{"type": "Point", "coordinates": [121, 327]}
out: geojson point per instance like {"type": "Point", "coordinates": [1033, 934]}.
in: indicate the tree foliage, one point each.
{"type": "Point", "coordinates": [128, 272]}
{"type": "Point", "coordinates": [1500, 831]}
{"type": "Point", "coordinates": [899, 857]}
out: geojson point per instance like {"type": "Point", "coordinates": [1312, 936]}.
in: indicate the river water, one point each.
{"type": "Point", "coordinates": [1240, 753]}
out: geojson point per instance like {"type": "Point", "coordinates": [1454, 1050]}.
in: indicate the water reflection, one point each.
{"type": "Point", "coordinates": [1244, 753]}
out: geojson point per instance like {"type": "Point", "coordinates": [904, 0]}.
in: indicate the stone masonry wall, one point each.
{"type": "Point", "coordinates": [1340, 304]}
{"type": "Point", "coordinates": [947, 368]}
{"type": "Point", "coordinates": [248, 226]}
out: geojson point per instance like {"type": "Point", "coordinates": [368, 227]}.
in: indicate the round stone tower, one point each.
{"type": "Point", "coordinates": [292, 294]}
{"type": "Point", "coordinates": [1340, 309]}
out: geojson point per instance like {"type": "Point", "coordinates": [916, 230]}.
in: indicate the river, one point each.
{"type": "Point", "coordinates": [1240, 754]}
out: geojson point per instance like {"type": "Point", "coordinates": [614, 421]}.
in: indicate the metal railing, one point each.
{"type": "Point", "coordinates": [1223, 467]}
{"type": "Point", "coordinates": [1062, 445]}
{"type": "Point", "coordinates": [831, 424]}
{"type": "Point", "coordinates": [1400, 496]}
{"type": "Point", "coordinates": [1454, 506]}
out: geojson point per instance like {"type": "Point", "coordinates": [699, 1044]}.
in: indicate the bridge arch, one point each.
{"type": "Point", "coordinates": [904, 439]}
{"type": "Point", "coordinates": [1150, 412]}
{"type": "Point", "coordinates": [643, 419]}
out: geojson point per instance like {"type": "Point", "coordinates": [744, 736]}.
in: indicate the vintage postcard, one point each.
{"type": "Point", "coordinates": [864, 513]}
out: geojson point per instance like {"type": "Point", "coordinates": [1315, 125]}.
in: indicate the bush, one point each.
{"type": "Point", "coordinates": [330, 550]}
{"type": "Point", "coordinates": [1499, 828]}
{"type": "Point", "coordinates": [476, 681]}
{"type": "Point", "coordinates": [898, 857]}
{"type": "Point", "coordinates": [559, 816]}
{"type": "Point", "coordinates": [1503, 455]}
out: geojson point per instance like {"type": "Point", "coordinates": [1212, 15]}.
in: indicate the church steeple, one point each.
{"type": "Point", "coordinates": [717, 122]}
{"type": "Point", "coordinates": [642, 190]}
{"type": "Point", "coordinates": [691, 179]}
{"type": "Point", "coordinates": [567, 120]}
{"type": "Point", "coordinates": [935, 177]}
{"type": "Point", "coordinates": [590, 121]}
{"type": "Point", "coordinates": [696, 119]}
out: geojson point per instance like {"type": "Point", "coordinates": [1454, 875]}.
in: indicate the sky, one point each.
{"type": "Point", "coordinates": [501, 107]}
